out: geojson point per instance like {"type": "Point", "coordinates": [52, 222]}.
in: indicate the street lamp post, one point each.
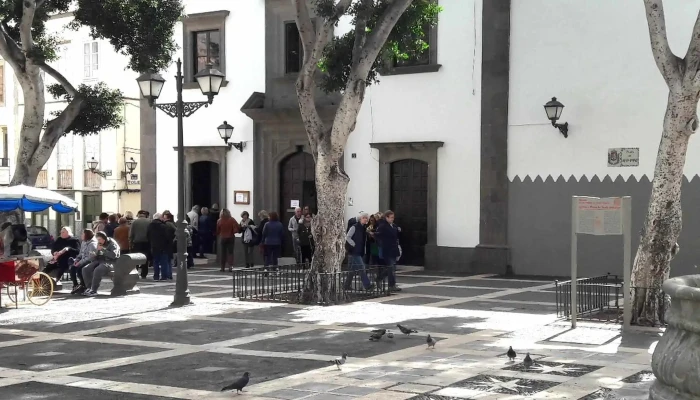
{"type": "Point", "coordinates": [151, 84]}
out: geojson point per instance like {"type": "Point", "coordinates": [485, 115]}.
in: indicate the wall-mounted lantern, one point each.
{"type": "Point", "coordinates": [226, 131]}
{"type": "Point", "coordinates": [92, 166]}
{"type": "Point", "coordinates": [130, 166]}
{"type": "Point", "coordinates": [554, 109]}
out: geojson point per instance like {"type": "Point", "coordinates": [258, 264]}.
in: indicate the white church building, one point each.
{"type": "Point", "coordinates": [457, 143]}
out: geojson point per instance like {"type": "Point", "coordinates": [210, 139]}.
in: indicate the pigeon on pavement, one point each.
{"type": "Point", "coordinates": [239, 384]}
{"type": "Point", "coordinates": [431, 342]}
{"type": "Point", "coordinates": [406, 331]}
{"type": "Point", "coordinates": [375, 336]}
{"type": "Point", "coordinates": [527, 362]}
{"type": "Point", "coordinates": [511, 353]}
{"type": "Point", "coordinates": [379, 331]}
{"type": "Point", "coordinates": [340, 360]}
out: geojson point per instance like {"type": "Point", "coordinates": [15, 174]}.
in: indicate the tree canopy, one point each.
{"type": "Point", "coordinates": [406, 40]}
{"type": "Point", "coordinates": [142, 30]}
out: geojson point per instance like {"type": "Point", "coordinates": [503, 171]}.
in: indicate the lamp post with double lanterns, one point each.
{"type": "Point", "coordinates": [151, 84]}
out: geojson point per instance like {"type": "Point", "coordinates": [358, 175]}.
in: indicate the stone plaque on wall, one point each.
{"type": "Point", "coordinates": [623, 157]}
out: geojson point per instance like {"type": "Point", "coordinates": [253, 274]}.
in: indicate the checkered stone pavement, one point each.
{"type": "Point", "coordinates": [135, 347]}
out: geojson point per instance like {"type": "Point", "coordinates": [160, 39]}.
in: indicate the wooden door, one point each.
{"type": "Point", "coordinates": [409, 200]}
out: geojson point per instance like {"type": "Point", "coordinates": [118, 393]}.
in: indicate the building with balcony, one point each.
{"type": "Point", "coordinates": [110, 186]}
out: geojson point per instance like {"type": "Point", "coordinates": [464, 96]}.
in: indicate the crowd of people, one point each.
{"type": "Point", "coordinates": [370, 240]}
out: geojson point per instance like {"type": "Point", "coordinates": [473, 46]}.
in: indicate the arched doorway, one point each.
{"type": "Point", "coordinates": [409, 200]}
{"type": "Point", "coordinates": [297, 184]}
{"type": "Point", "coordinates": [204, 176]}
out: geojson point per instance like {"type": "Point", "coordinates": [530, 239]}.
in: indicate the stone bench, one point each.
{"type": "Point", "coordinates": [125, 277]}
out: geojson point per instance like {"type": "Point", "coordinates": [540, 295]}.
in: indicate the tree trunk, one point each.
{"type": "Point", "coordinates": [322, 283]}
{"type": "Point", "coordinates": [662, 227]}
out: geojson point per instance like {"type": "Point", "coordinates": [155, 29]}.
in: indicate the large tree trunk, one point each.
{"type": "Point", "coordinates": [663, 222]}
{"type": "Point", "coordinates": [323, 284]}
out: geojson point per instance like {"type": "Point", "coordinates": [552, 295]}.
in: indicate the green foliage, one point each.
{"type": "Point", "coordinates": [140, 29]}
{"type": "Point", "coordinates": [406, 41]}
{"type": "Point", "coordinates": [44, 44]}
{"type": "Point", "coordinates": [102, 108]}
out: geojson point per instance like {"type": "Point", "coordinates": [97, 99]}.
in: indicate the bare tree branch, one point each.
{"type": "Point", "coordinates": [692, 56]}
{"type": "Point", "coordinates": [55, 129]}
{"type": "Point", "coordinates": [10, 51]}
{"type": "Point", "coordinates": [25, 25]}
{"type": "Point", "coordinates": [70, 89]}
{"type": "Point", "coordinates": [667, 62]}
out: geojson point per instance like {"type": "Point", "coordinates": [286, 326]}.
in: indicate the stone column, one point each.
{"type": "Point", "coordinates": [147, 163]}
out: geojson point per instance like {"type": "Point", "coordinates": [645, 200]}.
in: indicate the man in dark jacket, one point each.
{"type": "Point", "coordinates": [388, 237]}
{"type": "Point", "coordinates": [138, 239]}
{"type": "Point", "coordinates": [207, 229]}
{"type": "Point", "coordinates": [160, 247]}
{"type": "Point", "coordinates": [355, 240]}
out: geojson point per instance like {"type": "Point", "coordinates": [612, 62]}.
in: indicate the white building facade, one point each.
{"type": "Point", "coordinates": [83, 60]}
{"type": "Point", "coordinates": [458, 143]}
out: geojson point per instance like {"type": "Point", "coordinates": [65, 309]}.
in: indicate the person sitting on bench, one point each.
{"type": "Point", "coordinates": [63, 249]}
{"type": "Point", "coordinates": [106, 256]}
{"type": "Point", "coordinates": [88, 250]}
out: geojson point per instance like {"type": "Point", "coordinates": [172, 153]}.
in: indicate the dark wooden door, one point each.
{"type": "Point", "coordinates": [409, 200]}
{"type": "Point", "coordinates": [92, 208]}
{"type": "Point", "coordinates": [297, 183]}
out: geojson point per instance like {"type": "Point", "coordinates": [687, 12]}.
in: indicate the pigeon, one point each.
{"type": "Point", "coordinates": [527, 362]}
{"type": "Point", "coordinates": [511, 353]}
{"type": "Point", "coordinates": [340, 361]}
{"type": "Point", "coordinates": [390, 335]}
{"type": "Point", "coordinates": [375, 336]}
{"type": "Point", "coordinates": [381, 332]}
{"type": "Point", "coordinates": [406, 331]}
{"type": "Point", "coordinates": [431, 342]}
{"type": "Point", "coordinates": [239, 384]}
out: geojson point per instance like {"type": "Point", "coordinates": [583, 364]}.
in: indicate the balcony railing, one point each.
{"type": "Point", "coordinates": [42, 180]}
{"type": "Point", "coordinates": [65, 179]}
{"type": "Point", "coordinates": [91, 180]}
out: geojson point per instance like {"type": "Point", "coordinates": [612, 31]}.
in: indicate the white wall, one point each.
{"type": "Point", "coordinates": [595, 57]}
{"type": "Point", "coordinates": [442, 106]}
{"type": "Point", "coordinates": [245, 72]}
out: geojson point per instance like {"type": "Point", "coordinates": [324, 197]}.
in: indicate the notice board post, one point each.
{"type": "Point", "coordinates": [602, 217]}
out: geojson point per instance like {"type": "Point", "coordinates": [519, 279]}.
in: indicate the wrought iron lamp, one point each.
{"type": "Point", "coordinates": [226, 131]}
{"type": "Point", "coordinates": [210, 81]}
{"type": "Point", "coordinates": [92, 166]}
{"type": "Point", "coordinates": [554, 109]}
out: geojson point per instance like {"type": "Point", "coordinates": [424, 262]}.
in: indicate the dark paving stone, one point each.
{"type": "Point", "coordinates": [322, 341]}
{"type": "Point", "coordinates": [542, 278]}
{"type": "Point", "coordinates": [45, 391]}
{"type": "Point", "coordinates": [182, 371]}
{"type": "Point", "coordinates": [279, 313]}
{"type": "Point", "coordinates": [506, 307]}
{"type": "Point", "coordinates": [640, 377]}
{"type": "Point", "coordinates": [447, 291]}
{"type": "Point", "coordinates": [7, 337]}
{"type": "Point", "coordinates": [551, 368]}
{"type": "Point", "coordinates": [191, 332]}
{"type": "Point", "coordinates": [541, 297]}
{"type": "Point", "coordinates": [413, 301]}
{"type": "Point", "coordinates": [600, 394]}
{"type": "Point", "coordinates": [62, 327]}
{"type": "Point", "coordinates": [503, 385]}
{"type": "Point", "coordinates": [44, 356]}
{"type": "Point", "coordinates": [451, 324]}
{"type": "Point", "coordinates": [492, 283]}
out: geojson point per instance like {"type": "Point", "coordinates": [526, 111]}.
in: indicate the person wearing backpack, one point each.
{"type": "Point", "coordinates": [249, 237]}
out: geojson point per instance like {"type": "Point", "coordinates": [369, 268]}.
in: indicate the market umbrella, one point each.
{"type": "Point", "coordinates": [32, 199]}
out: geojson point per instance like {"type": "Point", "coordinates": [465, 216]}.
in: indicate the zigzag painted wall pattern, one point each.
{"type": "Point", "coordinates": [594, 179]}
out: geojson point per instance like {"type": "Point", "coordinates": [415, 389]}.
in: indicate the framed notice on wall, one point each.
{"type": "Point", "coordinates": [241, 197]}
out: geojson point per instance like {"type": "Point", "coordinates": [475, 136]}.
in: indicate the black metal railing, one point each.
{"type": "Point", "coordinates": [286, 283]}
{"type": "Point", "coordinates": [599, 298]}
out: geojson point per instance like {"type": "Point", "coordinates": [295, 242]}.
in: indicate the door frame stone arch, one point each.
{"type": "Point", "coordinates": [215, 154]}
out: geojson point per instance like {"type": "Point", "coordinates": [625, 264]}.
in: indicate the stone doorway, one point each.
{"type": "Point", "coordinates": [297, 184]}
